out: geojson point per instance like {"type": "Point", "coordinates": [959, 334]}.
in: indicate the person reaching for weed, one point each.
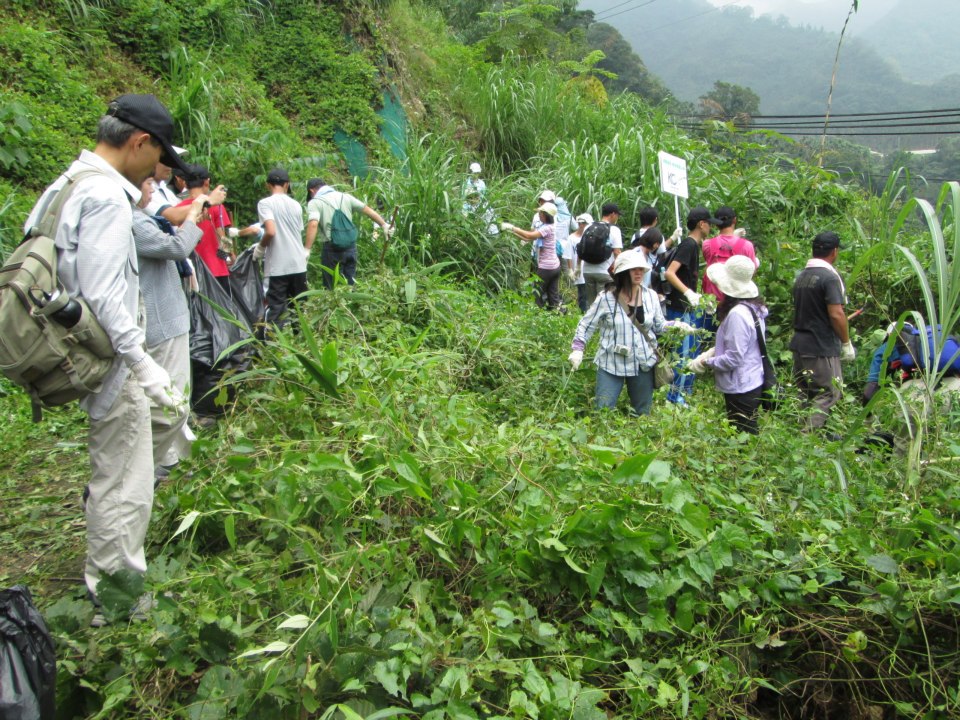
{"type": "Point", "coordinates": [629, 318]}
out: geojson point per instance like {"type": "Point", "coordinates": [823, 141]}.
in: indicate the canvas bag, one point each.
{"type": "Point", "coordinates": [53, 363]}
{"type": "Point", "coordinates": [343, 233]}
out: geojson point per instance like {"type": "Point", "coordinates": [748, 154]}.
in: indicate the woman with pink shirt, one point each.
{"type": "Point", "coordinates": [548, 263]}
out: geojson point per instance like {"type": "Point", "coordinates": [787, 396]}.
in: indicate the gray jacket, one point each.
{"type": "Point", "coordinates": [168, 315]}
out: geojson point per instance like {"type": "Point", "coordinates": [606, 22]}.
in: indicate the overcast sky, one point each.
{"type": "Point", "coordinates": [828, 14]}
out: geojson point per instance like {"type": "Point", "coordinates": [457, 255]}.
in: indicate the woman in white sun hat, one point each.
{"type": "Point", "coordinates": [628, 318]}
{"type": "Point", "coordinates": [736, 360]}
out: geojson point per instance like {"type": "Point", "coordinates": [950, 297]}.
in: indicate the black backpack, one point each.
{"type": "Point", "coordinates": [594, 247]}
{"type": "Point", "coordinates": [658, 273]}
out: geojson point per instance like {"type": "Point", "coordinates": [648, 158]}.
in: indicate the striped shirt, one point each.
{"type": "Point", "coordinates": [617, 329]}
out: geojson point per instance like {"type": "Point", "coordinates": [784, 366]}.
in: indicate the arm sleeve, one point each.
{"type": "Point", "coordinates": [102, 257]}
{"type": "Point", "coordinates": [590, 322]}
{"type": "Point", "coordinates": [264, 211]}
{"type": "Point", "coordinates": [152, 242]}
{"type": "Point", "coordinates": [313, 210]}
{"type": "Point", "coordinates": [833, 291]}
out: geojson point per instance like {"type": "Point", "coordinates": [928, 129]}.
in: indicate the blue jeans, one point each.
{"type": "Point", "coordinates": [682, 385]}
{"type": "Point", "coordinates": [639, 387]}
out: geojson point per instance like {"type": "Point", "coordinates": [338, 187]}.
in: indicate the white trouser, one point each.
{"type": "Point", "coordinates": [121, 486]}
{"type": "Point", "coordinates": [172, 436]}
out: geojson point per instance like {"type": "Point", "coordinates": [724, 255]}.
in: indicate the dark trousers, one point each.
{"type": "Point", "coordinates": [282, 289]}
{"type": "Point", "coordinates": [332, 258]}
{"type": "Point", "coordinates": [582, 297]}
{"type": "Point", "coordinates": [742, 409]}
{"type": "Point", "coordinates": [548, 288]}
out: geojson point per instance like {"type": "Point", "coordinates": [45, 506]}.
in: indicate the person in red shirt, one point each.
{"type": "Point", "coordinates": [214, 247]}
{"type": "Point", "coordinates": [725, 244]}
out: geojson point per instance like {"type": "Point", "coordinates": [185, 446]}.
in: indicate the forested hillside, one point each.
{"type": "Point", "coordinates": [690, 44]}
{"type": "Point", "coordinates": [411, 508]}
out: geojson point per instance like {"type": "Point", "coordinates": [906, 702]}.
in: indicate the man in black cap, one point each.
{"type": "Point", "coordinates": [821, 339]}
{"type": "Point", "coordinates": [97, 261]}
{"type": "Point", "coordinates": [683, 274]}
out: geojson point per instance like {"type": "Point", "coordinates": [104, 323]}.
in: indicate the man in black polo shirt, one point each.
{"type": "Point", "coordinates": [683, 274]}
{"type": "Point", "coordinates": [821, 337]}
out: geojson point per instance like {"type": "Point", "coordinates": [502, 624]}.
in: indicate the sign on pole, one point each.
{"type": "Point", "coordinates": [673, 174]}
{"type": "Point", "coordinates": [673, 179]}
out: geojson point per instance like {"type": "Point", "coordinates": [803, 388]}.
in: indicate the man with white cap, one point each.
{"type": "Point", "coordinates": [97, 261]}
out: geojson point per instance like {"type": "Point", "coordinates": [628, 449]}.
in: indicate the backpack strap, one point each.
{"type": "Point", "coordinates": [756, 324]}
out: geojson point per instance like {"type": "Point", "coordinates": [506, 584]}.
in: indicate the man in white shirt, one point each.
{"type": "Point", "coordinates": [97, 261]}
{"type": "Point", "coordinates": [281, 247]}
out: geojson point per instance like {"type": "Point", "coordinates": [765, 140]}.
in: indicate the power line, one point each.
{"type": "Point", "coordinates": [691, 17]}
{"type": "Point", "coordinates": [852, 124]}
{"type": "Point", "coordinates": [951, 111]}
{"type": "Point", "coordinates": [629, 9]}
{"type": "Point", "coordinates": [614, 7]}
{"type": "Point", "coordinates": [836, 134]}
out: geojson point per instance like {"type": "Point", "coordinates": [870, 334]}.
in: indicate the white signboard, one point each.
{"type": "Point", "coordinates": [673, 175]}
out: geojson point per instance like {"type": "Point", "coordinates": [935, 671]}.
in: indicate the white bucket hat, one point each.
{"type": "Point", "coordinates": [475, 167]}
{"type": "Point", "coordinates": [549, 208]}
{"type": "Point", "coordinates": [629, 260]}
{"type": "Point", "coordinates": [547, 196]}
{"type": "Point", "coordinates": [735, 277]}
{"type": "Point", "coordinates": [585, 218]}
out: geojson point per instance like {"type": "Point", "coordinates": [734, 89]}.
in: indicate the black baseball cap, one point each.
{"type": "Point", "coordinates": [699, 215]}
{"type": "Point", "coordinates": [725, 215]}
{"type": "Point", "coordinates": [149, 114]}
{"type": "Point", "coordinates": [278, 176]}
{"type": "Point", "coordinates": [827, 240]}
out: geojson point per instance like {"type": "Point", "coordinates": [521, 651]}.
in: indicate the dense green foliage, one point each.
{"type": "Point", "coordinates": [412, 510]}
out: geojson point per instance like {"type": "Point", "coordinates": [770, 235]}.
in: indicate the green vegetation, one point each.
{"type": "Point", "coordinates": [412, 510]}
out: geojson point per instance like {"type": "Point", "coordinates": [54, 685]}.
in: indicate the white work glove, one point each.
{"type": "Point", "coordinates": [699, 364]}
{"type": "Point", "coordinates": [572, 274]}
{"type": "Point", "coordinates": [388, 231]}
{"type": "Point", "coordinates": [692, 297]}
{"type": "Point", "coordinates": [233, 232]}
{"type": "Point", "coordinates": [847, 353]}
{"type": "Point", "coordinates": [506, 226]}
{"type": "Point", "coordinates": [306, 254]}
{"type": "Point", "coordinates": [575, 358]}
{"type": "Point", "coordinates": [687, 328]}
{"type": "Point", "coordinates": [740, 232]}
{"type": "Point", "coordinates": [675, 237]}
{"type": "Point", "coordinates": [156, 385]}
{"type": "Point", "coordinates": [258, 252]}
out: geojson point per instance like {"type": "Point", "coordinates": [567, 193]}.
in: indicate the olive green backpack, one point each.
{"type": "Point", "coordinates": [54, 363]}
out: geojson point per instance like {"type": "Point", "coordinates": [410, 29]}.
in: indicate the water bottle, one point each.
{"type": "Point", "coordinates": [70, 314]}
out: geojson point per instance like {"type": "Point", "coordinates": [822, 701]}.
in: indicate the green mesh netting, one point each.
{"type": "Point", "coordinates": [393, 130]}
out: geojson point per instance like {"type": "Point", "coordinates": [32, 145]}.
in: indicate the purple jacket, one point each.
{"type": "Point", "coordinates": [737, 365]}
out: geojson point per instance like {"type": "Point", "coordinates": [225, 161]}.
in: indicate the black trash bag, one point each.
{"type": "Point", "coordinates": [246, 287]}
{"type": "Point", "coordinates": [28, 663]}
{"type": "Point", "coordinates": [210, 335]}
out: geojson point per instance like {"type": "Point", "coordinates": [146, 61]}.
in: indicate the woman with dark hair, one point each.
{"type": "Point", "coordinates": [629, 319]}
{"type": "Point", "coordinates": [736, 360]}
{"type": "Point", "coordinates": [548, 263]}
